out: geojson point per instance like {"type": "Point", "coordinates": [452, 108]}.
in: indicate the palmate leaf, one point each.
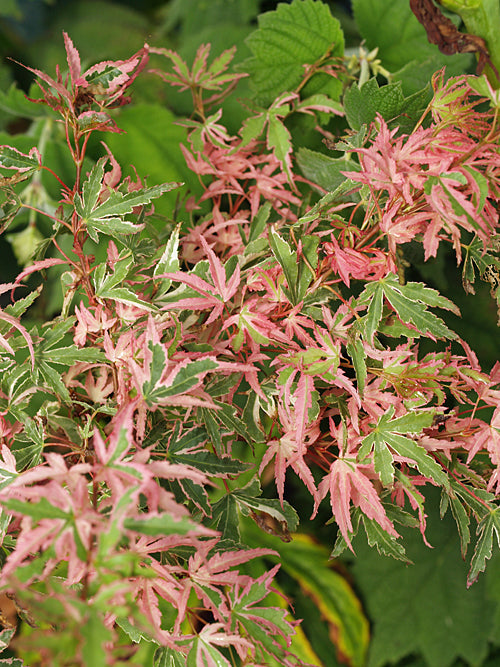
{"type": "Point", "coordinates": [386, 439]}
{"type": "Point", "coordinates": [109, 217]}
{"type": "Point", "coordinates": [51, 356]}
{"type": "Point", "coordinates": [109, 285]}
{"type": "Point", "coordinates": [410, 303]}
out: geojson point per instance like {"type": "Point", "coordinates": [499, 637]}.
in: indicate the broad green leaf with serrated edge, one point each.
{"type": "Point", "coordinates": [293, 35]}
{"type": "Point", "coordinates": [363, 104]}
{"type": "Point", "coordinates": [323, 169]}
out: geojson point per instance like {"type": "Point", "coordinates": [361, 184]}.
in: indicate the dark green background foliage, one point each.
{"type": "Point", "coordinates": [420, 614]}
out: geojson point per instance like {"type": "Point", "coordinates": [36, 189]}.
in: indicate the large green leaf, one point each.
{"type": "Point", "coordinates": [151, 143]}
{"type": "Point", "coordinates": [324, 170]}
{"type": "Point", "coordinates": [288, 38]}
{"type": "Point", "coordinates": [424, 608]}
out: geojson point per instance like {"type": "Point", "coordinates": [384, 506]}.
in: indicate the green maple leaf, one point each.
{"type": "Point", "coordinates": [410, 303]}
{"type": "Point", "coordinates": [109, 217]}
{"type": "Point", "coordinates": [52, 354]}
{"type": "Point", "coordinates": [387, 439]}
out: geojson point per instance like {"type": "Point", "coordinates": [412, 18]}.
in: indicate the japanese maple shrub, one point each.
{"type": "Point", "coordinates": [267, 329]}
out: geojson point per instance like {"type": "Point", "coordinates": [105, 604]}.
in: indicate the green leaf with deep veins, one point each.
{"type": "Point", "coordinates": [293, 35]}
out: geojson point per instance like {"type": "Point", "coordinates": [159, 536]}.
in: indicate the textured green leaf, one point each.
{"type": "Point", "coordinates": [323, 169]}
{"type": "Point", "coordinates": [292, 35]}
{"type": "Point", "coordinates": [363, 104]}
{"type": "Point", "coordinates": [424, 608]}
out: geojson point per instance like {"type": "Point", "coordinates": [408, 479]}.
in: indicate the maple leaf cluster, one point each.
{"type": "Point", "coordinates": [271, 335]}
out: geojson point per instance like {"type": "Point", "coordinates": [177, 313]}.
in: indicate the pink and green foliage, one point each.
{"type": "Point", "coordinates": [268, 331]}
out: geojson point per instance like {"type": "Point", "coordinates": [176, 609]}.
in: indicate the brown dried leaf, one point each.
{"type": "Point", "coordinates": [442, 32]}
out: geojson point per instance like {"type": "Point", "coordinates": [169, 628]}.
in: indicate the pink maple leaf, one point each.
{"type": "Point", "coordinates": [347, 482]}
